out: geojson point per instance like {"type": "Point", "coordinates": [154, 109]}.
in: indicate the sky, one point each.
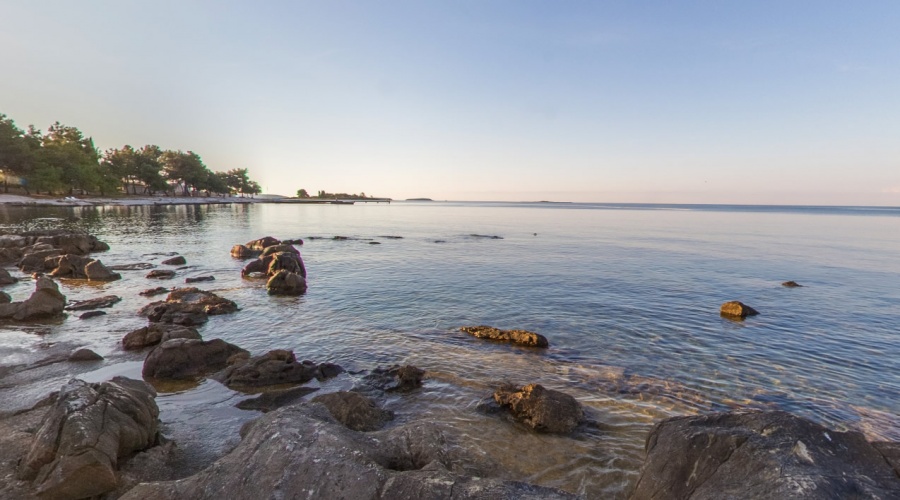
{"type": "Point", "coordinates": [766, 102]}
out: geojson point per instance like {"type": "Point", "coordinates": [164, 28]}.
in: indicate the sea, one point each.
{"type": "Point", "coordinates": [627, 294]}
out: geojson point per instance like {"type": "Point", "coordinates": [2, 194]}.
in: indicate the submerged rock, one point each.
{"type": "Point", "coordinates": [45, 302]}
{"type": "Point", "coordinates": [157, 333]}
{"type": "Point", "coordinates": [187, 306]}
{"type": "Point", "coordinates": [161, 274]}
{"type": "Point", "coordinates": [761, 454]}
{"type": "Point", "coordinates": [150, 292]}
{"type": "Point", "coordinates": [273, 368]}
{"type": "Point", "coordinates": [354, 410]}
{"type": "Point", "coordinates": [95, 303]}
{"type": "Point", "coordinates": [137, 266]}
{"type": "Point", "coordinates": [90, 427]}
{"type": "Point", "coordinates": [301, 452]}
{"type": "Point", "coordinates": [272, 400]}
{"type": "Point", "coordinates": [791, 284]}
{"type": "Point", "coordinates": [286, 283]}
{"type": "Point", "coordinates": [6, 278]}
{"type": "Point", "coordinates": [92, 314]}
{"type": "Point", "coordinates": [396, 378]}
{"type": "Point", "coordinates": [85, 355]}
{"type": "Point", "coordinates": [736, 309]}
{"type": "Point", "coordinates": [175, 261]}
{"type": "Point", "coordinates": [544, 410]}
{"type": "Point", "coordinates": [199, 279]}
{"type": "Point", "coordinates": [180, 359]}
{"type": "Point", "coordinates": [521, 337]}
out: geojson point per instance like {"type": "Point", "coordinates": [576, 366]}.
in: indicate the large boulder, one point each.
{"type": "Point", "coordinates": [273, 368]}
{"type": "Point", "coordinates": [45, 302]}
{"type": "Point", "coordinates": [157, 333]}
{"type": "Point", "coordinates": [285, 261]}
{"type": "Point", "coordinates": [286, 283]}
{"type": "Point", "coordinates": [300, 451]}
{"type": "Point", "coordinates": [761, 454]}
{"type": "Point", "coordinates": [521, 337]}
{"type": "Point", "coordinates": [6, 278]}
{"type": "Point", "coordinates": [544, 410]}
{"type": "Point", "coordinates": [180, 359]}
{"type": "Point", "coordinates": [90, 427]}
{"type": "Point", "coordinates": [355, 410]}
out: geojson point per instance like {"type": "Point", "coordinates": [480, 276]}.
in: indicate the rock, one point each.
{"type": "Point", "coordinates": [396, 378]}
{"type": "Point", "coordinates": [242, 252]}
{"type": "Point", "coordinates": [138, 266]}
{"type": "Point", "coordinates": [791, 284]}
{"type": "Point", "coordinates": [286, 283]}
{"type": "Point", "coordinates": [89, 428]}
{"type": "Point", "coordinates": [12, 241]}
{"type": "Point", "coordinates": [544, 410]}
{"type": "Point", "coordinates": [187, 306]}
{"type": "Point", "coordinates": [735, 309]}
{"type": "Point", "coordinates": [295, 241]}
{"type": "Point", "coordinates": [300, 451]}
{"type": "Point", "coordinates": [5, 298]}
{"type": "Point", "coordinates": [286, 261]}
{"type": "Point", "coordinates": [6, 278]}
{"type": "Point", "coordinates": [280, 248]}
{"type": "Point", "coordinates": [199, 279]}
{"type": "Point", "coordinates": [272, 400]}
{"type": "Point", "coordinates": [355, 410]}
{"type": "Point", "coordinates": [45, 302]}
{"type": "Point", "coordinates": [262, 243]}
{"type": "Point", "coordinates": [150, 292]}
{"type": "Point", "coordinates": [175, 261]}
{"type": "Point", "coordinates": [79, 267]}
{"type": "Point", "coordinates": [486, 236]}
{"type": "Point", "coordinates": [161, 274]}
{"type": "Point", "coordinates": [34, 261]}
{"type": "Point", "coordinates": [273, 368]}
{"type": "Point", "coordinates": [96, 303]}
{"type": "Point", "coordinates": [520, 337]}
{"type": "Point", "coordinates": [92, 314]}
{"type": "Point", "coordinates": [96, 271]}
{"type": "Point", "coordinates": [374, 242]}
{"type": "Point", "coordinates": [255, 266]}
{"type": "Point", "coordinates": [761, 454]}
{"type": "Point", "coordinates": [180, 359]}
{"type": "Point", "coordinates": [85, 355]}
{"type": "Point", "coordinates": [157, 333]}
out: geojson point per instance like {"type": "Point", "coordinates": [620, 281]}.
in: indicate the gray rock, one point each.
{"type": "Point", "coordinates": [761, 454]}
{"type": "Point", "coordinates": [187, 306]}
{"type": "Point", "coordinates": [521, 337]}
{"type": "Point", "coordinates": [175, 261]}
{"type": "Point", "coordinates": [6, 278]}
{"type": "Point", "coordinates": [180, 359]}
{"type": "Point", "coordinates": [199, 279]}
{"type": "Point", "coordinates": [92, 314]}
{"type": "Point", "coordinates": [544, 410]}
{"type": "Point", "coordinates": [95, 303]}
{"type": "Point", "coordinates": [5, 298]}
{"type": "Point", "coordinates": [272, 400]}
{"type": "Point", "coordinates": [301, 452]}
{"type": "Point", "coordinates": [45, 302]}
{"type": "Point", "coordinates": [161, 274]}
{"type": "Point", "coordinates": [355, 410]}
{"type": "Point", "coordinates": [90, 427]}
{"type": "Point", "coordinates": [85, 355]}
{"type": "Point", "coordinates": [157, 333]}
{"type": "Point", "coordinates": [137, 266]}
{"type": "Point", "coordinates": [396, 378]}
{"type": "Point", "coordinates": [273, 368]}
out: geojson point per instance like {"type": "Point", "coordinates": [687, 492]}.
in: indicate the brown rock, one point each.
{"type": "Point", "coordinates": [286, 283]}
{"type": "Point", "coordinates": [154, 291]}
{"type": "Point", "coordinates": [355, 410]}
{"type": "Point", "coordinates": [199, 279]}
{"type": "Point", "coordinates": [521, 337]}
{"type": "Point", "coordinates": [85, 355]}
{"type": "Point", "coordinates": [161, 274]}
{"type": "Point", "coordinates": [157, 333]}
{"type": "Point", "coordinates": [175, 261]}
{"type": "Point", "coordinates": [242, 252]}
{"type": "Point", "coordinates": [280, 248]}
{"type": "Point", "coordinates": [5, 298]}
{"type": "Point", "coordinates": [96, 303]}
{"type": "Point", "coordinates": [544, 410]}
{"type": "Point", "coordinates": [92, 314]}
{"type": "Point", "coordinates": [262, 243]}
{"type": "Point", "coordinates": [273, 368]}
{"type": "Point", "coordinates": [736, 309]}
{"type": "Point", "coordinates": [396, 378]}
{"type": "Point", "coordinates": [180, 359]}
{"type": "Point", "coordinates": [45, 302]}
{"type": "Point", "coordinates": [791, 284]}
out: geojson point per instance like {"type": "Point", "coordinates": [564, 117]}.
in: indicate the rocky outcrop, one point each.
{"type": "Point", "coordinates": [761, 454]}
{"type": "Point", "coordinates": [6, 278]}
{"type": "Point", "coordinates": [29, 249]}
{"type": "Point", "coordinates": [175, 261]}
{"type": "Point", "coordinates": [45, 302]}
{"type": "Point", "coordinates": [544, 410]}
{"type": "Point", "coordinates": [187, 306]}
{"type": "Point", "coordinates": [274, 368]}
{"type": "Point", "coordinates": [521, 337]}
{"type": "Point", "coordinates": [5, 298]}
{"type": "Point", "coordinates": [180, 359]}
{"type": "Point", "coordinates": [95, 303]}
{"type": "Point", "coordinates": [301, 452]}
{"type": "Point", "coordinates": [736, 309]}
{"type": "Point", "coordinates": [157, 333]}
{"type": "Point", "coordinates": [79, 267]}
{"type": "Point", "coordinates": [355, 410]}
{"type": "Point", "coordinates": [160, 274]}
{"type": "Point", "coordinates": [279, 262]}
{"type": "Point", "coordinates": [89, 428]}
{"type": "Point", "coordinates": [286, 283]}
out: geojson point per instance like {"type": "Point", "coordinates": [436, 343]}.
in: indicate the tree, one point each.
{"type": "Point", "coordinates": [301, 193]}
{"type": "Point", "coordinates": [74, 156]}
{"type": "Point", "coordinates": [15, 154]}
{"type": "Point", "coordinates": [185, 169]}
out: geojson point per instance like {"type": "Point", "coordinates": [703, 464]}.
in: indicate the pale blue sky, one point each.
{"type": "Point", "coordinates": [694, 102]}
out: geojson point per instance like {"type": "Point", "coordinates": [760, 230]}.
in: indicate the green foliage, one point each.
{"type": "Point", "coordinates": [301, 193]}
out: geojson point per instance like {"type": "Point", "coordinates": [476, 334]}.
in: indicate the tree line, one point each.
{"type": "Point", "coordinates": [63, 160]}
{"type": "Point", "coordinates": [302, 193]}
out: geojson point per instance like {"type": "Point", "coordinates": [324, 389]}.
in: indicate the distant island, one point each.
{"type": "Point", "coordinates": [324, 195]}
{"type": "Point", "coordinates": [419, 199]}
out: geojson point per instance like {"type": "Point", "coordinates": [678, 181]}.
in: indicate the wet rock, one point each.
{"type": "Point", "coordinates": [486, 236]}
{"type": "Point", "coordinates": [272, 400]}
{"type": "Point", "coordinates": [175, 261]}
{"type": "Point", "coordinates": [242, 252]}
{"type": "Point", "coordinates": [396, 378]}
{"type": "Point", "coordinates": [157, 333]}
{"type": "Point", "coordinates": [187, 306]}
{"type": "Point", "coordinates": [89, 428]}
{"type": "Point", "coordinates": [79, 267]}
{"type": "Point", "coordinates": [392, 237]}
{"type": "Point", "coordinates": [286, 261]}
{"type": "Point", "coordinates": [138, 266]}
{"type": "Point", "coordinates": [286, 283]}
{"type": "Point", "coordinates": [5, 298]}
{"type": "Point", "coordinates": [12, 241]}
{"type": "Point", "coordinates": [85, 355]}
{"type": "Point", "coordinates": [34, 261]}
{"type": "Point", "coordinates": [736, 309]}
{"type": "Point", "coordinates": [262, 243]}
{"type": "Point", "coordinates": [199, 279]}
{"type": "Point", "coordinates": [273, 368]}
{"type": "Point", "coordinates": [761, 454]}
{"type": "Point", "coordinates": [791, 284]}
{"type": "Point", "coordinates": [521, 337]}
{"type": "Point", "coordinates": [300, 451]}
{"type": "Point", "coordinates": [258, 266]}
{"type": "Point", "coordinates": [280, 248]}
{"type": "Point", "coordinates": [6, 278]}
{"type": "Point", "coordinates": [92, 314]}
{"type": "Point", "coordinates": [150, 292]}
{"type": "Point", "coordinates": [96, 303]}
{"type": "Point", "coordinates": [180, 359]}
{"type": "Point", "coordinates": [161, 274]}
{"type": "Point", "coordinates": [374, 242]}
{"type": "Point", "coordinates": [295, 241]}
{"type": "Point", "coordinates": [45, 302]}
{"type": "Point", "coordinates": [544, 410]}
{"type": "Point", "coordinates": [355, 410]}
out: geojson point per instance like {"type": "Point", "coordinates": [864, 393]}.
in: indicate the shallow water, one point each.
{"type": "Point", "coordinates": [628, 296]}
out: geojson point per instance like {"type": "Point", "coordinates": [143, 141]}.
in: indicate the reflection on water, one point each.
{"type": "Point", "coordinates": [627, 296]}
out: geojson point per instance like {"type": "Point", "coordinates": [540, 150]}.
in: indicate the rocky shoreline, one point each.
{"type": "Point", "coordinates": [103, 439]}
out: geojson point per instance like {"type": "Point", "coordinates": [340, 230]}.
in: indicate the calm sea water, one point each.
{"type": "Point", "coordinates": [627, 294]}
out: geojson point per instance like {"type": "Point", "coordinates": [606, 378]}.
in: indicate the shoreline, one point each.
{"type": "Point", "coordinates": [13, 200]}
